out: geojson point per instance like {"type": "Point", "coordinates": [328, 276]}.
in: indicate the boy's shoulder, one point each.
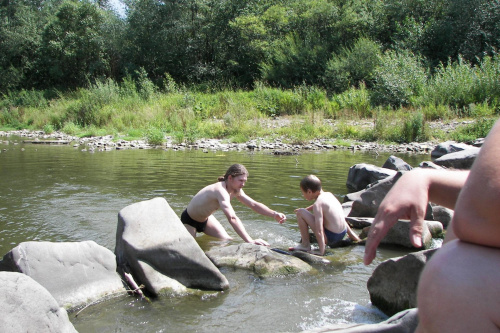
{"type": "Point", "coordinates": [324, 197]}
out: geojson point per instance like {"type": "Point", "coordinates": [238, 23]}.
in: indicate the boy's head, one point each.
{"type": "Point", "coordinates": [310, 182]}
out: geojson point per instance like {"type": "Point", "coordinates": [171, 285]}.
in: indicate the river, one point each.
{"type": "Point", "coordinates": [60, 193]}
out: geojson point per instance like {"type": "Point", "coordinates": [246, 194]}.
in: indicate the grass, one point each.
{"type": "Point", "coordinates": [304, 113]}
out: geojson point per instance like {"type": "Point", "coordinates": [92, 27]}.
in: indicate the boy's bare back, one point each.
{"type": "Point", "coordinates": [333, 213]}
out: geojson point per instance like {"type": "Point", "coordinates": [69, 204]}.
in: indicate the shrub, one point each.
{"type": "Point", "coordinates": [155, 136]}
{"type": "Point", "coordinates": [478, 129]}
{"type": "Point", "coordinates": [399, 78]}
{"type": "Point", "coordinates": [352, 66]}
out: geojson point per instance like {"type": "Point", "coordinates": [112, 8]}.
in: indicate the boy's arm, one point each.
{"type": "Point", "coordinates": [260, 207]}
{"type": "Point", "coordinates": [319, 232]}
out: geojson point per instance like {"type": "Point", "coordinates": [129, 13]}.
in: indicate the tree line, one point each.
{"type": "Point", "coordinates": [390, 47]}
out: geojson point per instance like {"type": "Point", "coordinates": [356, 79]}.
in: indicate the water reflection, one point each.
{"type": "Point", "coordinates": [59, 193]}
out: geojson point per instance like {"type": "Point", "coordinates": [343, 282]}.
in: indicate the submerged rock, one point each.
{"type": "Point", "coordinates": [403, 322]}
{"type": "Point", "coordinates": [259, 259]}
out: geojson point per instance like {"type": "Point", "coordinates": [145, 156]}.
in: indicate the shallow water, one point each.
{"type": "Point", "coordinates": [60, 193]}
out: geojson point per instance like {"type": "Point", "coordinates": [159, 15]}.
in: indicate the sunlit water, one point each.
{"type": "Point", "coordinates": [60, 193]}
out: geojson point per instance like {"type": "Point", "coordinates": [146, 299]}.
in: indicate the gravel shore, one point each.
{"type": "Point", "coordinates": [275, 146]}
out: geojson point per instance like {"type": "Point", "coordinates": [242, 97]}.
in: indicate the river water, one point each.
{"type": "Point", "coordinates": [60, 193]}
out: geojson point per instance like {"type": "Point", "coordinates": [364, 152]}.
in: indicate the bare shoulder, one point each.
{"type": "Point", "coordinates": [326, 197]}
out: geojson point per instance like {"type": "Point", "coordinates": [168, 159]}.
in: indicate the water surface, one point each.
{"type": "Point", "coordinates": [60, 193]}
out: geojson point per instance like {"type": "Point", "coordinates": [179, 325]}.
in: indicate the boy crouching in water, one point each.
{"type": "Point", "coordinates": [326, 220]}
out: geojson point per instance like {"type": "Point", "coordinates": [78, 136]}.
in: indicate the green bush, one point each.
{"type": "Point", "coordinates": [466, 88]}
{"type": "Point", "coordinates": [352, 66]}
{"type": "Point", "coordinates": [155, 136]}
{"type": "Point", "coordinates": [478, 129]}
{"type": "Point", "coordinates": [414, 128]}
{"type": "Point", "coordinates": [398, 80]}
{"type": "Point", "coordinates": [356, 101]}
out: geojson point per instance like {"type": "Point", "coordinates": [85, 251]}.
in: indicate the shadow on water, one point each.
{"type": "Point", "coordinates": [59, 193]}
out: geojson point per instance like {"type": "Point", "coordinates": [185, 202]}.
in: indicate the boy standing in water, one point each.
{"type": "Point", "coordinates": [198, 216]}
{"type": "Point", "coordinates": [326, 220]}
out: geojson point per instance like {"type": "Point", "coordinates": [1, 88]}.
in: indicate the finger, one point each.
{"type": "Point", "coordinates": [377, 232]}
{"type": "Point", "coordinates": [416, 229]}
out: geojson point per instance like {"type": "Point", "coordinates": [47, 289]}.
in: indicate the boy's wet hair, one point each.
{"type": "Point", "coordinates": [310, 182]}
{"type": "Point", "coordinates": [234, 170]}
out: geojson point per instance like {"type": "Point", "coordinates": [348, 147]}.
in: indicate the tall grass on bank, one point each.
{"type": "Point", "coordinates": [137, 108]}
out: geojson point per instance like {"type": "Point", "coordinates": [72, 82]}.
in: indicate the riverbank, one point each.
{"type": "Point", "coordinates": [274, 145]}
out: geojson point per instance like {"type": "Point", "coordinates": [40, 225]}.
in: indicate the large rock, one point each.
{"type": "Point", "coordinates": [361, 175]}
{"type": "Point", "coordinates": [25, 306]}
{"type": "Point", "coordinates": [399, 234]}
{"type": "Point", "coordinates": [366, 202]}
{"type": "Point", "coordinates": [435, 227]}
{"type": "Point", "coordinates": [75, 273]}
{"type": "Point", "coordinates": [396, 163]}
{"type": "Point", "coordinates": [153, 245]}
{"type": "Point", "coordinates": [393, 284]}
{"type": "Point", "coordinates": [448, 147]}
{"type": "Point", "coordinates": [259, 259]}
{"type": "Point", "coordinates": [459, 160]}
{"type": "Point", "coordinates": [403, 322]}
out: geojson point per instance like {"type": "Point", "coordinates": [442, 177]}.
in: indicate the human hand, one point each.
{"type": "Point", "coordinates": [407, 199]}
{"type": "Point", "coordinates": [259, 242]}
{"type": "Point", "coordinates": [280, 217]}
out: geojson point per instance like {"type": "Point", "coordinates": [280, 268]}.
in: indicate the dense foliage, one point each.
{"type": "Point", "coordinates": [294, 56]}
{"type": "Point", "coordinates": [333, 44]}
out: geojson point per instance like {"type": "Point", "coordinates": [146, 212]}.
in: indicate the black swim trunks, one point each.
{"type": "Point", "coordinates": [186, 219]}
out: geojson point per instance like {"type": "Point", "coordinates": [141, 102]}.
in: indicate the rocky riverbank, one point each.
{"type": "Point", "coordinates": [276, 146]}
{"type": "Point", "coordinates": [273, 145]}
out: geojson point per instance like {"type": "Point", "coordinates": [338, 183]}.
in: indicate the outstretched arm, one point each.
{"type": "Point", "coordinates": [225, 205]}
{"type": "Point", "coordinates": [476, 218]}
{"type": "Point", "coordinates": [260, 207]}
{"type": "Point", "coordinates": [408, 199]}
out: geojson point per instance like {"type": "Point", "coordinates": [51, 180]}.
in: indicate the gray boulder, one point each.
{"type": "Point", "coordinates": [435, 227]}
{"type": "Point", "coordinates": [443, 215]}
{"type": "Point", "coordinates": [361, 175]}
{"type": "Point", "coordinates": [393, 284]}
{"type": "Point", "coordinates": [359, 222]}
{"type": "Point", "coordinates": [429, 165]}
{"type": "Point", "coordinates": [26, 306]}
{"type": "Point", "coordinates": [402, 322]}
{"type": "Point", "coordinates": [448, 147]}
{"type": "Point", "coordinates": [153, 246]}
{"type": "Point", "coordinates": [399, 235]}
{"type": "Point", "coordinates": [396, 163]}
{"type": "Point", "coordinates": [366, 202]}
{"type": "Point", "coordinates": [459, 160]}
{"type": "Point", "coordinates": [75, 273]}
{"type": "Point", "coordinates": [259, 259]}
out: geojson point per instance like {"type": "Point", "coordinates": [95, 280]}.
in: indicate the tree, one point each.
{"type": "Point", "coordinates": [73, 46]}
